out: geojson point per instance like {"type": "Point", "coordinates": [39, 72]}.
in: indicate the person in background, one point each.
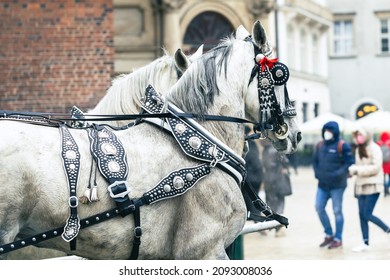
{"type": "Point", "coordinates": [276, 180]}
{"type": "Point", "coordinates": [368, 184]}
{"type": "Point", "coordinates": [384, 143]}
{"type": "Point", "coordinates": [253, 165]}
{"type": "Point", "coordinates": [331, 159]}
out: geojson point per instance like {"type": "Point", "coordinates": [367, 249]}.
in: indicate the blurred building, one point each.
{"type": "Point", "coordinates": [58, 53]}
{"type": "Point", "coordinates": [359, 63]}
{"type": "Point", "coordinates": [298, 30]}
{"type": "Point", "coordinates": [54, 54]}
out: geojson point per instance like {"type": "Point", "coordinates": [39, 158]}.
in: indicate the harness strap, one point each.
{"type": "Point", "coordinates": [260, 211]}
{"type": "Point", "coordinates": [71, 159]}
{"type": "Point", "coordinates": [137, 234]}
{"type": "Point", "coordinates": [47, 235]}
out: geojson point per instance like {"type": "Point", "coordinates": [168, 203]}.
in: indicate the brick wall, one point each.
{"type": "Point", "coordinates": [54, 54]}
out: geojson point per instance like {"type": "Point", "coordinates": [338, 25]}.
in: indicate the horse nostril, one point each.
{"type": "Point", "coordinates": [299, 137]}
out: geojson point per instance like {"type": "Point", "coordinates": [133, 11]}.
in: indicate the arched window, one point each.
{"type": "Point", "coordinates": [207, 28]}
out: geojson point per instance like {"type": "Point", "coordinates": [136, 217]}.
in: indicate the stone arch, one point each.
{"type": "Point", "coordinates": [197, 10]}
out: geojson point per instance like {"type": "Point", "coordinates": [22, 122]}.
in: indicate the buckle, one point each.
{"type": "Point", "coordinates": [137, 232]}
{"type": "Point", "coordinates": [121, 194]}
{"type": "Point", "coordinates": [73, 201]}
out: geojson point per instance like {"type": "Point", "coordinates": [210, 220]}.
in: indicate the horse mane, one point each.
{"type": "Point", "coordinates": [197, 88]}
{"type": "Point", "coordinates": [125, 93]}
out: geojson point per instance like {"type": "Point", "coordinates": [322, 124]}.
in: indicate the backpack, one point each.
{"type": "Point", "coordinates": [339, 146]}
{"type": "Point", "coordinates": [385, 152]}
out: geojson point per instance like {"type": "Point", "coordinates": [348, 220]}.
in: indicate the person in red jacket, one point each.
{"type": "Point", "coordinates": [384, 142]}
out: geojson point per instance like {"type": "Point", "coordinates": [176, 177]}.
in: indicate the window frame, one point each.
{"type": "Point", "coordinates": [343, 18]}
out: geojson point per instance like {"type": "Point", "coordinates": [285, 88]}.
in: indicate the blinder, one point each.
{"type": "Point", "coordinates": [271, 72]}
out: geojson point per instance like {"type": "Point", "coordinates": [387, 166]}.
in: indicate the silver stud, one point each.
{"type": "Point", "coordinates": [1, 250]}
{"type": "Point", "coordinates": [12, 246]}
{"type": "Point", "coordinates": [103, 134]}
{"type": "Point", "coordinates": [108, 215]}
{"type": "Point", "coordinates": [167, 188]}
{"type": "Point", "coordinates": [55, 233]}
{"type": "Point", "coordinates": [279, 73]}
{"type": "Point", "coordinates": [87, 222]}
{"type": "Point", "coordinates": [195, 142]}
{"type": "Point", "coordinates": [70, 154]}
{"type": "Point", "coordinates": [44, 235]}
{"type": "Point", "coordinates": [180, 128]}
{"type": "Point", "coordinates": [265, 82]}
{"type": "Point", "coordinates": [178, 182]}
{"type": "Point", "coordinates": [34, 239]}
{"type": "Point", "coordinates": [23, 243]}
{"type": "Point", "coordinates": [108, 149]}
{"type": "Point", "coordinates": [97, 219]}
{"type": "Point", "coordinates": [189, 177]}
{"type": "Point", "coordinates": [114, 166]}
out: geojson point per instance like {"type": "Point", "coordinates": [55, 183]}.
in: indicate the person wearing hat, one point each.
{"type": "Point", "coordinates": [369, 183]}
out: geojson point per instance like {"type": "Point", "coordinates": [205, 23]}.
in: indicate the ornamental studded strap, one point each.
{"type": "Point", "coordinates": [71, 160]}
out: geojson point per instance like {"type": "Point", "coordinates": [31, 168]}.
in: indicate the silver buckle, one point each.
{"type": "Point", "coordinates": [119, 195]}
{"type": "Point", "coordinates": [75, 199]}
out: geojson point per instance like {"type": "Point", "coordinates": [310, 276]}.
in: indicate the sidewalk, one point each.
{"type": "Point", "coordinates": [305, 232]}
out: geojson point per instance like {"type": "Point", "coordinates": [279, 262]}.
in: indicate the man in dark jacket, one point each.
{"type": "Point", "coordinates": [331, 160]}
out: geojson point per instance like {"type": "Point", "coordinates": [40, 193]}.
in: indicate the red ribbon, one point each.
{"type": "Point", "coordinates": [265, 61]}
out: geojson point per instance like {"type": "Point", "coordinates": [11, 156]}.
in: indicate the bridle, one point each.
{"type": "Point", "coordinates": [270, 72]}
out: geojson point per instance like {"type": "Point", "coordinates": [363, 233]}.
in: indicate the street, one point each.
{"type": "Point", "coordinates": [305, 233]}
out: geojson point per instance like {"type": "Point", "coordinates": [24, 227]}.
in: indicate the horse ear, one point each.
{"type": "Point", "coordinates": [181, 60]}
{"type": "Point", "coordinates": [260, 39]}
{"type": "Point", "coordinates": [197, 54]}
{"type": "Point", "coordinates": [259, 35]}
{"type": "Point", "coordinates": [242, 33]}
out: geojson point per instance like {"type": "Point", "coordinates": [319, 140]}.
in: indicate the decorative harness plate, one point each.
{"type": "Point", "coordinates": [71, 159]}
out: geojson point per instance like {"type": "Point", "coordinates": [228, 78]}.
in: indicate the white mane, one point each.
{"type": "Point", "coordinates": [123, 97]}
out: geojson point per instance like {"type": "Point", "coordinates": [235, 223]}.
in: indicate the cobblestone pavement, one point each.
{"type": "Point", "coordinates": [305, 233]}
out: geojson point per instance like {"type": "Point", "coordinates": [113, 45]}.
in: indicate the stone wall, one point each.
{"type": "Point", "coordinates": [54, 54]}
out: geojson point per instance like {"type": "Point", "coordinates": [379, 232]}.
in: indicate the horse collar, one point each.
{"type": "Point", "coordinates": [194, 140]}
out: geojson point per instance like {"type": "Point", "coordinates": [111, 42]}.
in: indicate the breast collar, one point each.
{"type": "Point", "coordinates": [194, 140]}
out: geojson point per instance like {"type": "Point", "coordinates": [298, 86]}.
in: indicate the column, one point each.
{"type": "Point", "coordinates": [171, 36]}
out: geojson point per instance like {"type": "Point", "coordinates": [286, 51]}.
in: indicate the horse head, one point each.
{"type": "Point", "coordinates": [276, 114]}
{"type": "Point", "coordinates": [238, 78]}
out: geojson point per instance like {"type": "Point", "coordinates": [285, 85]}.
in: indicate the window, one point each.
{"type": "Point", "coordinates": [291, 47]}
{"type": "Point", "coordinates": [303, 51]}
{"type": "Point", "coordinates": [207, 28]}
{"type": "Point", "coordinates": [316, 55]}
{"type": "Point", "coordinates": [343, 37]}
{"type": "Point", "coordinates": [385, 35]}
{"type": "Point", "coordinates": [304, 111]}
{"type": "Point", "coordinates": [316, 109]}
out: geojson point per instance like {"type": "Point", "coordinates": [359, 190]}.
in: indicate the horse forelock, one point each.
{"type": "Point", "coordinates": [197, 88]}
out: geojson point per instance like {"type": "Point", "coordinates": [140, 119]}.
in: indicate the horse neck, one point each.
{"type": "Point", "coordinates": [227, 102]}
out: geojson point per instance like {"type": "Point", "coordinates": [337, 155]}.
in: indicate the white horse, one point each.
{"type": "Point", "coordinates": [198, 224]}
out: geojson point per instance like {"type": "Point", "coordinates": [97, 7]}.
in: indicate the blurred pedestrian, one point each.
{"type": "Point", "coordinates": [331, 159]}
{"type": "Point", "coordinates": [368, 184]}
{"type": "Point", "coordinates": [384, 143]}
{"type": "Point", "coordinates": [254, 166]}
{"type": "Point", "coordinates": [276, 181]}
